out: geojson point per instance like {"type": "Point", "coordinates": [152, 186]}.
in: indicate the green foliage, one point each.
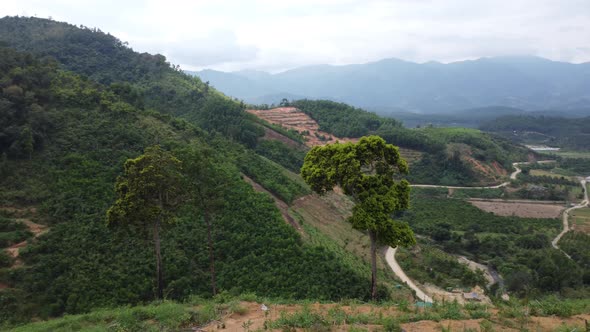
{"type": "Point", "coordinates": [340, 119]}
{"type": "Point", "coordinates": [434, 266]}
{"type": "Point", "coordinates": [577, 245]}
{"type": "Point", "coordinates": [271, 177]}
{"type": "Point", "coordinates": [365, 171]}
{"type": "Point", "coordinates": [281, 153]}
{"type": "Point", "coordinates": [141, 80]}
{"type": "Point", "coordinates": [484, 147]}
{"type": "Point", "coordinates": [148, 195]}
{"type": "Point", "coordinates": [440, 165]}
{"type": "Point", "coordinates": [24, 84]}
{"type": "Point", "coordinates": [519, 248]}
{"type": "Point", "coordinates": [227, 117]}
{"type": "Point", "coordinates": [165, 316]}
{"type": "Point", "coordinates": [575, 165]}
{"type": "Point", "coordinates": [149, 190]}
{"type": "Point", "coordinates": [12, 232]}
{"type": "Point", "coordinates": [81, 264]}
{"type": "Point", "coordinates": [5, 259]}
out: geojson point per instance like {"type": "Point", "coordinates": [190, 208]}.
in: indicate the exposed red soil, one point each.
{"type": "Point", "coordinates": [36, 229]}
{"type": "Point", "coordinates": [493, 172]}
{"type": "Point", "coordinates": [499, 169]}
{"type": "Point", "coordinates": [270, 134]}
{"type": "Point", "coordinates": [293, 118]}
{"type": "Point", "coordinates": [253, 318]}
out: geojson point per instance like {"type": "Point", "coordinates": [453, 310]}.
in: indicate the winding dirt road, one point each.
{"type": "Point", "coordinates": [566, 214]}
{"type": "Point", "coordinates": [390, 252]}
{"type": "Point", "coordinates": [399, 272]}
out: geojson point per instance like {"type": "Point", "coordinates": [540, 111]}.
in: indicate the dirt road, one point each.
{"type": "Point", "coordinates": [390, 252]}
{"type": "Point", "coordinates": [566, 214]}
{"type": "Point", "coordinates": [390, 259]}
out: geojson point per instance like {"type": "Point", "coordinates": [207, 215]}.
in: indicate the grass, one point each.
{"type": "Point", "coordinates": [324, 225]}
{"type": "Point", "coordinates": [351, 316]}
{"type": "Point", "coordinates": [165, 316]}
{"type": "Point", "coordinates": [432, 265]}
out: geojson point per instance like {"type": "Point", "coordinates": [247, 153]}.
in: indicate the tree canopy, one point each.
{"type": "Point", "coordinates": [366, 171]}
{"type": "Point", "coordinates": [148, 194]}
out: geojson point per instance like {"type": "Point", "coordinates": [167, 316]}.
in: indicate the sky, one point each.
{"type": "Point", "coordinates": [276, 35]}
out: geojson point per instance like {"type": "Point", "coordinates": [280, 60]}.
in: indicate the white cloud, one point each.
{"type": "Point", "coordinates": [275, 35]}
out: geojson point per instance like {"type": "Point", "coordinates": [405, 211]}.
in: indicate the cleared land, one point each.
{"type": "Point", "coordinates": [270, 134]}
{"type": "Point", "coordinates": [293, 118]}
{"type": "Point", "coordinates": [328, 213]}
{"type": "Point", "coordinates": [335, 317]}
{"type": "Point", "coordinates": [346, 316]}
{"type": "Point", "coordinates": [519, 209]}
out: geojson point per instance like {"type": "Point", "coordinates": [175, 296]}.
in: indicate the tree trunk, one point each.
{"type": "Point", "coordinates": [373, 238]}
{"type": "Point", "coordinates": [159, 267]}
{"type": "Point", "coordinates": [207, 218]}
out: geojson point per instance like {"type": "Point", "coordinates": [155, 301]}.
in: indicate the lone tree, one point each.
{"type": "Point", "coordinates": [207, 180]}
{"type": "Point", "coordinates": [148, 193]}
{"type": "Point", "coordinates": [366, 172]}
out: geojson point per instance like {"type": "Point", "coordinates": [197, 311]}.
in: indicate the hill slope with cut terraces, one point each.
{"type": "Point", "coordinates": [295, 119]}
{"type": "Point", "coordinates": [437, 155]}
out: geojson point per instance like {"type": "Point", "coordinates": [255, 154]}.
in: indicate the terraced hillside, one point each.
{"type": "Point", "coordinates": [294, 119]}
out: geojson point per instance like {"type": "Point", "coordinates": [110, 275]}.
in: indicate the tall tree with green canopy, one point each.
{"type": "Point", "coordinates": [148, 194]}
{"type": "Point", "coordinates": [207, 179]}
{"type": "Point", "coordinates": [366, 171]}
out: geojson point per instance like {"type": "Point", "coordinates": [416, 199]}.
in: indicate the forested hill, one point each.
{"type": "Point", "coordinates": [147, 81]}
{"type": "Point", "coordinates": [68, 122]}
{"type": "Point", "coordinates": [451, 156]}
{"type": "Point", "coordinates": [548, 130]}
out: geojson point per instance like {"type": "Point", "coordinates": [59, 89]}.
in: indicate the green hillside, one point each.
{"type": "Point", "coordinates": [452, 156]}
{"type": "Point", "coordinates": [65, 132]}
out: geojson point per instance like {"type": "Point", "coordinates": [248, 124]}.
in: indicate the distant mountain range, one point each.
{"type": "Point", "coordinates": [525, 82]}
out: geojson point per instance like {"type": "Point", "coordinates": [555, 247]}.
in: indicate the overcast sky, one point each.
{"type": "Point", "coordinates": [275, 35]}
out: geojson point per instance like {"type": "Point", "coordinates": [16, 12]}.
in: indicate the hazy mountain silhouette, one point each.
{"type": "Point", "coordinates": [526, 82]}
